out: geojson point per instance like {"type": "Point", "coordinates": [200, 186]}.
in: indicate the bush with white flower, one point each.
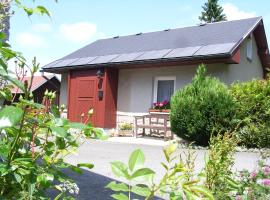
{"type": "Point", "coordinates": [254, 184]}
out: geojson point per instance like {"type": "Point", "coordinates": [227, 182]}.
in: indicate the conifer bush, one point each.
{"type": "Point", "coordinates": [202, 108]}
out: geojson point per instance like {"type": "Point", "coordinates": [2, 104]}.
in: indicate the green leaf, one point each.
{"type": "Point", "coordinates": [45, 178]}
{"type": "Point", "coordinates": [142, 172]}
{"type": "Point", "coordinates": [77, 125]}
{"type": "Point", "coordinates": [120, 196]}
{"type": "Point", "coordinates": [119, 169]}
{"type": "Point", "coordinates": [58, 131]}
{"type": "Point", "coordinates": [10, 116]}
{"type": "Point", "coordinates": [76, 169]}
{"type": "Point", "coordinates": [88, 165]}
{"type": "Point", "coordinates": [41, 10]}
{"type": "Point", "coordinates": [202, 190]}
{"type": "Point", "coordinates": [55, 111]}
{"type": "Point", "coordinates": [142, 191]}
{"type": "Point", "coordinates": [136, 160]}
{"type": "Point", "coordinates": [4, 170]}
{"type": "Point", "coordinates": [168, 151]}
{"type": "Point", "coordinates": [117, 187]}
{"type": "Point", "coordinates": [18, 178]}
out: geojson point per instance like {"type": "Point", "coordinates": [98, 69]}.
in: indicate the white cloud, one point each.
{"type": "Point", "coordinates": [30, 40]}
{"type": "Point", "coordinates": [78, 32]}
{"type": "Point", "coordinates": [42, 27]}
{"type": "Point", "coordinates": [234, 12]}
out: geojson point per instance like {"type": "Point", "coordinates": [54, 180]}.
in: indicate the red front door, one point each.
{"type": "Point", "coordinates": [87, 91]}
{"type": "Point", "coordinates": [85, 98]}
{"type": "Point", "coordinates": [82, 97]}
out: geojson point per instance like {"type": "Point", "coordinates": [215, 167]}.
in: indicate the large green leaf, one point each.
{"type": "Point", "coordinates": [202, 190]}
{"type": "Point", "coordinates": [87, 165]}
{"type": "Point", "coordinates": [142, 172]}
{"type": "Point", "coordinates": [120, 196]}
{"type": "Point", "coordinates": [77, 125]}
{"type": "Point", "coordinates": [10, 116]}
{"type": "Point", "coordinates": [58, 131]}
{"type": "Point", "coordinates": [13, 80]}
{"type": "Point", "coordinates": [119, 169]}
{"type": "Point", "coordinates": [142, 191]}
{"type": "Point", "coordinates": [136, 160]}
{"type": "Point", "coordinates": [117, 187]}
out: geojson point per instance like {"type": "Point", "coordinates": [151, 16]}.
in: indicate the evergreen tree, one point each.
{"type": "Point", "coordinates": [212, 12]}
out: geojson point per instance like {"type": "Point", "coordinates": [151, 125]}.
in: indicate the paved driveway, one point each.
{"type": "Point", "coordinates": [101, 153]}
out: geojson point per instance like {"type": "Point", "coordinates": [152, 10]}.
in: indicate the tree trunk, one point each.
{"type": "Point", "coordinates": [5, 17]}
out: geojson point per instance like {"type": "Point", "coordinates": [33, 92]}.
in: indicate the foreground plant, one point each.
{"type": "Point", "coordinates": [177, 182]}
{"type": "Point", "coordinates": [218, 166]}
{"type": "Point", "coordinates": [34, 140]}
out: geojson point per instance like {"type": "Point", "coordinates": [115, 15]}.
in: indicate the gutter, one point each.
{"type": "Point", "coordinates": [139, 62]}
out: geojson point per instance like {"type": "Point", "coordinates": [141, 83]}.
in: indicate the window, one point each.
{"type": "Point", "coordinates": [249, 49]}
{"type": "Point", "coordinates": [164, 88]}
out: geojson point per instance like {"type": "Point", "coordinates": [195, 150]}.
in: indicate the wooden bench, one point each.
{"type": "Point", "coordinates": [155, 123]}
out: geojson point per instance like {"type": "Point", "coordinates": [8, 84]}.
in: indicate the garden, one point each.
{"type": "Point", "coordinates": [35, 140]}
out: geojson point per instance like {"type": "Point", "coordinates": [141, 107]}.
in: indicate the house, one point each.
{"type": "Point", "coordinates": [39, 85]}
{"type": "Point", "coordinates": [121, 77]}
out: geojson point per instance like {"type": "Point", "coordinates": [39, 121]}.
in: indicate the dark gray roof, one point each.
{"type": "Point", "coordinates": [219, 38]}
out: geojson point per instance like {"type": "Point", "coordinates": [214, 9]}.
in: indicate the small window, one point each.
{"type": "Point", "coordinates": [164, 88]}
{"type": "Point", "coordinates": [249, 49]}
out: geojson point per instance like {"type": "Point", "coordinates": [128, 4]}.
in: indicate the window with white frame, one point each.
{"type": "Point", "coordinates": [249, 49]}
{"type": "Point", "coordinates": [164, 87]}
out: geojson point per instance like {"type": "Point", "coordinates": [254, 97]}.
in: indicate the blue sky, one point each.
{"type": "Point", "coordinates": [76, 23]}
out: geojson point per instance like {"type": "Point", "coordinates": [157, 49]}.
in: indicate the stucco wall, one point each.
{"type": "Point", "coordinates": [64, 89]}
{"type": "Point", "coordinates": [135, 87]}
{"type": "Point", "coordinates": [247, 69]}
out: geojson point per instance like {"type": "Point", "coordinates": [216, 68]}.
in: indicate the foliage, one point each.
{"type": "Point", "coordinates": [255, 184]}
{"type": "Point", "coordinates": [201, 108]}
{"type": "Point", "coordinates": [220, 159]}
{"type": "Point", "coordinates": [212, 12]}
{"type": "Point", "coordinates": [125, 126]}
{"type": "Point", "coordinates": [33, 138]}
{"type": "Point", "coordinates": [253, 109]}
{"type": "Point", "coordinates": [34, 141]}
{"type": "Point", "coordinates": [177, 182]}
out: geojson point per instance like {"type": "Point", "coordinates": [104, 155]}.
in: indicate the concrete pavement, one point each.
{"type": "Point", "coordinates": [101, 153]}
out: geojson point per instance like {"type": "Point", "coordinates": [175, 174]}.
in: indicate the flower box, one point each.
{"type": "Point", "coordinates": [159, 110]}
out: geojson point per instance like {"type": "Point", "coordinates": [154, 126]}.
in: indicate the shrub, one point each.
{"type": "Point", "coordinates": [201, 108]}
{"type": "Point", "coordinates": [253, 109]}
{"type": "Point", "coordinates": [255, 184]}
{"type": "Point", "coordinates": [220, 159]}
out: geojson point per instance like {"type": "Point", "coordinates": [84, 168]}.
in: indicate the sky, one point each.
{"type": "Point", "coordinates": [76, 23]}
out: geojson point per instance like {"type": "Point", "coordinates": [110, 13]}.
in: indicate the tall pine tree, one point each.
{"type": "Point", "coordinates": [212, 12]}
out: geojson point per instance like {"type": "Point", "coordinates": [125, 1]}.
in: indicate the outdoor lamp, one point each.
{"type": "Point", "coordinates": [99, 73]}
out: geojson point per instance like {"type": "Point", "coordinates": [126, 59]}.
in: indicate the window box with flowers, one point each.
{"type": "Point", "coordinates": [163, 107]}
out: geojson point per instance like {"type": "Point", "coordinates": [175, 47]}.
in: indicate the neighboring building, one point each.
{"type": "Point", "coordinates": [122, 76]}
{"type": "Point", "coordinates": [39, 85]}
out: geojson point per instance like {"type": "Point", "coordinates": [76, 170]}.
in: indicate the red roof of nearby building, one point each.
{"type": "Point", "coordinates": [37, 82]}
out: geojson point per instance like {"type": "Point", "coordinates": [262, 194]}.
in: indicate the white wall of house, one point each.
{"type": "Point", "coordinates": [64, 89]}
{"type": "Point", "coordinates": [247, 69]}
